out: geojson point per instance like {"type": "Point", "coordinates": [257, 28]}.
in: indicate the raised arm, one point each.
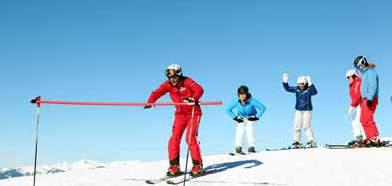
{"type": "Point", "coordinates": [286, 84]}
{"type": "Point", "coordinates": [289, 88]}
{"type": "Point", "coordinates": [313, 90]}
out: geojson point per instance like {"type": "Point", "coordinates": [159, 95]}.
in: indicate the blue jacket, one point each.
{"type": "Point", "coordinates": [369, 86]}
{"type": "Point", "coordinates": [252, 107]}
{"type": "Point", "coordinates": [304, 98]}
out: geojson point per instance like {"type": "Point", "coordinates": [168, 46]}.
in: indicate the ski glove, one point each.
{"type": "Point", "coordinates": [253, 118]}
{"type": "Point", "coordinates": [147, 106]}
{"type": "Point", "coordinates": [285, 78]}
{"type": "Point", "coordinates": [190, 100]}
{"type": "Point", "coordinates": [309, 80]}
{"type": "Point", "coordinates": [369, 103]}
{"type": "Point", "coordinates": [238, 119]}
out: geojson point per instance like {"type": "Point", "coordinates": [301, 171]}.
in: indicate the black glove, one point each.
{"type": "Point", "coordinates": [147, 106]}
{"type": "Point", "coordinates": [191, 100]}
{"type": "Point", "coordinates": [369, 103]}
{"type": "Point", "coordinates": [238, 119]}
{"type": "Point", "coordinates": [253, 118]}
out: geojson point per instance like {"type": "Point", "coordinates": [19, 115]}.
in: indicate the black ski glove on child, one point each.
{"type": "Point", "coordinates": [238, 119]}
{"type": "Point", "coordinates": [253, 118]}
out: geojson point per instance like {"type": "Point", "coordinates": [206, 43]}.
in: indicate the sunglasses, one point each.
{"type": "Point", "coordinates": [172, 76]}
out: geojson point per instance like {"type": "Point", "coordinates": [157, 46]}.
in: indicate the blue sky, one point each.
{"type": "Point", "coordinates": [118, 50]}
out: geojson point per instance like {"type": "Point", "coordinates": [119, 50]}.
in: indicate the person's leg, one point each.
{"type": "Point", "coordinates": [297, 126]}
{"type": "Point", "coordinates": [179, 126]}
{"type": "Point", "coordinates": [307, 118]}
{"type": "Point", "coordinates": [194, 145]}
{"type": "Point", "coordinates": [192, 140]}
{"type": "Point", "coordinates": [367, 119]}
{"type": "Point", "coordinates": [358, 131]}
{"type": "Point", "coordinates": [250, 133]}
{"type": "Point", "coordinates": [239, 135]}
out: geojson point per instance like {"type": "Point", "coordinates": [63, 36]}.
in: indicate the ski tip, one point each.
{"type": "Point", "coordinates": [149, 182]}
{"type": "Point", "coordinates": [170, 182]}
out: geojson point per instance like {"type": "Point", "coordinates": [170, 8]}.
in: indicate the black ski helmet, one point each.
{"type": "Point", "coordinates": [360, 61]}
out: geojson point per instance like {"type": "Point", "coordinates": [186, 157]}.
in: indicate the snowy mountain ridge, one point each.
{"type": "Point", "coordinates": [60, 167]}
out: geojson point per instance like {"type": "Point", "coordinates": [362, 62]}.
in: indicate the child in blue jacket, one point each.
{"type": "Point", "coordinates": [246, 111]}
{"type": "Point", "coordinates": [303, 115]}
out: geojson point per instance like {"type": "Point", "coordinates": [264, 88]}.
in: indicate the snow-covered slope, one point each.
{"type": "Point", "coordinates": [311, 167]}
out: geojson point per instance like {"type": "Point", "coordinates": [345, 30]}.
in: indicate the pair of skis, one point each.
{"type": "Point", "coordinates": [330, 146]}
{"type": "Point", "coordinates": [239, 154]}
{"type": "Point", "coordinates": [288, 148]}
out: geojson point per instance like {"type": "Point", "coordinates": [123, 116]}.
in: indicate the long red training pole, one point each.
{"type": "Point", "coordinates": [38, 101]}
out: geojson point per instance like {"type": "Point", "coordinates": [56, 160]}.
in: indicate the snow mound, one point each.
{"type": "Point", "coordinates": [301, 167]}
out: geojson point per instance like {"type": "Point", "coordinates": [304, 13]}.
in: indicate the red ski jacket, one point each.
{"type": "Point", "coordinates": [186, 88]}
{"type": "Point", "coordinates": [355, 92]}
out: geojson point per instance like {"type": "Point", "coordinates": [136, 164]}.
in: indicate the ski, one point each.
{"type": "Point", "coordinates": [341, 146]}
{"type": "Point", "coordinates": [171, 182]}
{"type": "Point", "coordinates": [160, 180]}
{"type": "Point", "coordinates": [278, 149]}
{"type": "Point", "coordinates": [156, 181]}
{"type": "Point", "coordinates": [287, 148]}
{"type": "Point", "coordinates": [236, 154]}
{"type": "Point", "coordinates": [337, 146]}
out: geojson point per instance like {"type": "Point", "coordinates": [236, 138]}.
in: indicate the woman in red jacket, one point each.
{"type": "Point", "coordinates": [182, 89]}
{"type": "Point", "coordinates": [355, 107]}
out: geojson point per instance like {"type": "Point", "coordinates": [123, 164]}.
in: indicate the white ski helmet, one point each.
{"type": "Point", "coordinates": [351, 72]}
{"type": "Point", "coordinates": [302, 79]}
{"type": "Point", "coordinates": [176, 68]}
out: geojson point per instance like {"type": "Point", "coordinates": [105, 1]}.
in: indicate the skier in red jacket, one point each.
{"type": "Point", "coordinates": [182, 89]}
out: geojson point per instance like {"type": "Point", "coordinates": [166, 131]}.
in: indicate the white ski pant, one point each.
{"type": "Point", "coordinates": [356, 123]}
{"type": "Point", "coordinates": [303, 118]}
{"type": "Point", "coordinates": [248, 127]}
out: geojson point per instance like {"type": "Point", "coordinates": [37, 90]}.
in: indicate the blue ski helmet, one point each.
{"type": "Point", "coordinates": [360, 62]}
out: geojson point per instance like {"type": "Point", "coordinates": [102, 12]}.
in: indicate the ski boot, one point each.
{"type": "Point", "coordinates": [352, 142]}
{"type": "Point", "coordinates": [173, 171]}
{"type": "Point", "coordinates": [251, 150]}
{"type": "Point", "coordinates": [311, 144]}
{"type": "Point", "coordinates": [197, 170]}
{"type": "Point", "coordinates": [238, 150]}
{"type": "Point", "coordinates": [357, 142]}
{"type": "Point", "coordinates": [295, 145]}
{"type": "Point", "coordinates": [374, 142]}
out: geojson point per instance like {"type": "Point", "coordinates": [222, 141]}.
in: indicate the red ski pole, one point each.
{"type": "Point", "coordinates": [83, 103]}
